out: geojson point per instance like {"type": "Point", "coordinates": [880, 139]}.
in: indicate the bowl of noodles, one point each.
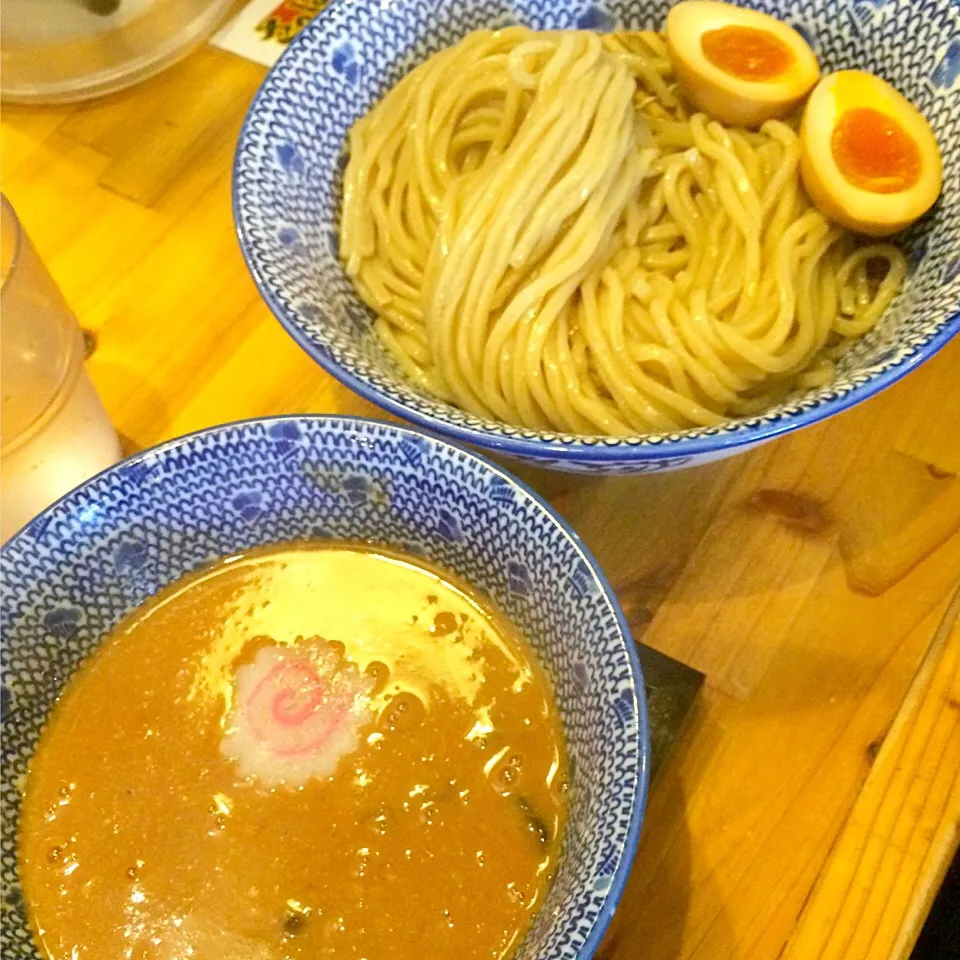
{"type": "Point", "coordinates": [611, 237]}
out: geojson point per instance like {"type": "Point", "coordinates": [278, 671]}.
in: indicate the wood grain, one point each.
{"type": "Point", "coordinates": [889, 859]}
{"type": "Point", "coordinates": [810, 579]}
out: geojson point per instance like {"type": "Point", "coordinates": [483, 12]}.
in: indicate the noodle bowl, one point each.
{"type": "Point", "coordinates": [549, 238]}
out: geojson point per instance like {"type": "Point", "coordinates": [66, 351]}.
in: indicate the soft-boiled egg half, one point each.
{"type": "Point", "coordinates": [741, 67]}
{"type": "Point", "coordinates": [869, 159]}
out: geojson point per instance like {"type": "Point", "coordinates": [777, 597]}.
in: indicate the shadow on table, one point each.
{"type": "Point", "coordinates": [641, 529]}
{"type": "Point", "coordinates": [651, 920]}
{"type": "Point", "coordinates": [123, 389]}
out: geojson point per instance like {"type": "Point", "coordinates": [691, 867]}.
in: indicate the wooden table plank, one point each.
{"type": "Point", "coordinates": [889, 858]}
{"type": "Point", "coordinates": [807, 579]}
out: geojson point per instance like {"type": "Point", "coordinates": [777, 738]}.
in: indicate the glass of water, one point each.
{"type": "Point", "coordinates": [54, 433]}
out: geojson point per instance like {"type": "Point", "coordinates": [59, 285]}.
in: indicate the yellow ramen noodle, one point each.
{"type": "Point", "coordinates": [550, 238]}
{"type": "Point", "coordinates": [309, 752]}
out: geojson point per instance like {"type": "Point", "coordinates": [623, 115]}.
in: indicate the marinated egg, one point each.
{"type": "Point", "coordinates": [869, 159]}
{"type": "Point", "coordinates": [741, 67]}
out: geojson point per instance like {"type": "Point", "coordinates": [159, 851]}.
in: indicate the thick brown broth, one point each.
{"type": "Point", "coordinates": [436, 833]}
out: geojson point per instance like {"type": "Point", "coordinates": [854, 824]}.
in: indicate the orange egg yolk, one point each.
{"type": "Point", "coordinates": [747, 53]}
{"type": "Point", "coordinates": [874, 152]}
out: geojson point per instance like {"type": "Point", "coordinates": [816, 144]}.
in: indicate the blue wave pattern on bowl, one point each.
{"type": "Point", "coordinates": [290, 159]}
{"type": "Point", "coordinates": [75, 571]}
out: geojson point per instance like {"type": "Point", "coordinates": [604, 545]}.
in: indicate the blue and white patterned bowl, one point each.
{"type": "Point", "coordinates": [290, 159]}
{"type": "Point", "coordinates": [72, 573]}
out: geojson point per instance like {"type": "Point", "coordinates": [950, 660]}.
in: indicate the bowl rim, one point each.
{"type": "Point", "coordinates": [569, 450]}
{"type": "Point", "coordinates": [628, 850]}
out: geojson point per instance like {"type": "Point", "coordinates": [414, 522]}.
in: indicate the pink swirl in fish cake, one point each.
{"type": "Point", "coordinates": [296, 712]}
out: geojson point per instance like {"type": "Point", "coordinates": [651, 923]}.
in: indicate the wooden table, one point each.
{"type": "Point", "coordinates": [812, 806]}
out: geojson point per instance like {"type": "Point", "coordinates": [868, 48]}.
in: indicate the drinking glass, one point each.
{"type": "Point", "coordinates": [54, 433]}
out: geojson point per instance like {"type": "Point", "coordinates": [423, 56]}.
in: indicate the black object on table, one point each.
{"type": "Point", "coordinates": [671, 690]}
{"type": "Point", "coordinates": [940, 937]}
